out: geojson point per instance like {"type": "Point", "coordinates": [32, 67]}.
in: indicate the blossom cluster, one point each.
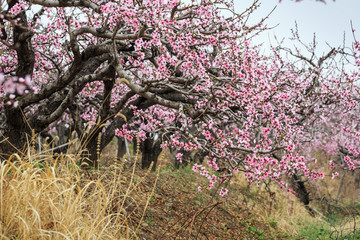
{"type": "Point", "coordinates": [18, 7]}
{"type": "Point", "coordinates": [12, 87]}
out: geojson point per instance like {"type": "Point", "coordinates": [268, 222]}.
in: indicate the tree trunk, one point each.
{"type": "Point", "coordinates": [121, 148]}
{"type": "Point", "coordinates": [91, 156]}
{"type": "Point", "coordinates": [300, 189]}
{"type": "Point", "coordinates": [150, 152]}
{"type": "Point", "coordinates": [14, 139]}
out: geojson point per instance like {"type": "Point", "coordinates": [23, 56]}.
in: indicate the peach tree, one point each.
{"type": "Point", "coordinates": [185, 70]}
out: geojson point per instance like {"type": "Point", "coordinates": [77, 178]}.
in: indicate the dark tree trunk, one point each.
{"type": "Point", "coordinates": [300, 189]}
{"type": "Point", "coordinates": [135, 143]}
{"type": "Point", "coordinates": [91, 156]}
{"type": "Point", "coordinates": [199, 156]}
{"type": "Point", "coordinates": [150, 152]}
{"type": "Point", "coordinates": [63, 134]}
{"type": "Point", "coordinates": [14, 139]}
{"type": "Point", "coordinates": [94, 146]}
{"type": "Point", "coordinates": [121, 148]}
{"type": "Point", "coordinates": [298, 185]}
{"type": "Point", "coordinates": [302, 193]}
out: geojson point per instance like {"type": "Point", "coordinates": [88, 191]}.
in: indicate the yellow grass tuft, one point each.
{"type": "Point", "coordinates": [55, 199]}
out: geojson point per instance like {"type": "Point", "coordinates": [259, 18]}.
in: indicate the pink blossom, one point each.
{"type": "Point", "coordinates": [20, 88]}
{"type": "Point", "coordinates": [118, 133]}
{"type": "Point", "coordinates": [179, 157]}
{"type": "Point", "coordinates": [223, 192]}
{"type": "Point", "coordinates": [335, 174]}
{"type": "Point", "coordinates": [9, 86]}
{"type": "Point", "coordinates": [129, 137]}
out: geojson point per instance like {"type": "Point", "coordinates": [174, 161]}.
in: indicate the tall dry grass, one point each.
{"type": "Point", "coordinates": [55, 199]}
{"type": "Point", "coordinates": [278, 208]}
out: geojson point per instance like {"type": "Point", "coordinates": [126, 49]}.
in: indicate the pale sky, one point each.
{"type": "Point", "coordinates": [329, 21]}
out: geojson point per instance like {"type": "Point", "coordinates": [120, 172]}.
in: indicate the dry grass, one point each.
{"type": "Point", "coordinates": [54, 199]}
{"type": "Point", "coordinates": [280, 208]}
{"type": "Point", "coordinates": [47, 197]}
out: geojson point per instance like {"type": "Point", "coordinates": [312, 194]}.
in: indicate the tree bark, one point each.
{"type": "Point", "coordinates": [121, 151]}
{"type": "Point", "coordinates": [91, 157]}
{"type": "Point", "coordinates": [300, 189]}
{"type": "Point", "coordinates": [150, 152]}
{"type": "Point", "coordinates": [14, 140]}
